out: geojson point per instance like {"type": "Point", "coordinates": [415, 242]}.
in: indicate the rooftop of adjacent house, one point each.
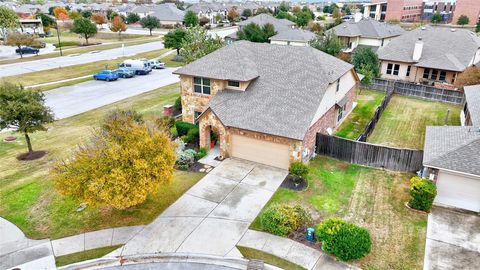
{"type": "Point", "coordinates": [368, 28]}
{"type": "Point", "coordinates": [294, 35]}
{"type": "Point", "coordinates": [287, 85]}
{"type": "Point", "coordinates": [453, 148]}
{"type": "Point", "coordinates": [262, 19]}
{"type": "Point", "coordinates": [443, 48]}
{"type": "Point", "coordinates": [168, 12]}
{"type": "Point", "coordinates": [472, 97]}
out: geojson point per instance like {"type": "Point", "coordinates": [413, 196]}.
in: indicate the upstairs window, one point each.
{"type": "Point", "coordinates": [201, 85]}
{"type": "Point", "coordinates": [434, 74]}
{"type": "Point", "coordinates": [235, 84]}
{"type": "Point", "coordinates": [393, 69]}
{"type": "Point", "coordinates": [443, 76]}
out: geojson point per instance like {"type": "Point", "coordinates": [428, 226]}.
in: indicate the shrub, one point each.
{"type": "Point", "coordinates": [184, 127]}
{"type": "Point", "coordinates": [67, 44]}
{"type": "Point", "coordinates": [165, 122]}
{"type": "Point", "coordinates": [178, 104]}
{"type": "Point", "coordinates": [192, 136]}
{"type": "Point", "coordinates": [422, 193]}
{"type": "Point", "coordinates": [185, 157]}
{"type": "Point", "coordinates": [343, 239]}
{"type": "Point", "coordinates": [298, 169]}
{"type": "Point", "coordinates": [202, 152]}
{"type": "Point", "coordinates": [282, 219]}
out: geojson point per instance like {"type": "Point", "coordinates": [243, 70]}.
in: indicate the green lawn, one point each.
{"type": "Point", "coordinates": [29, 199]}
{"type": "Point", "coordinates": [368, 197]}
{"type": "Point", "coordinates": [84, 255]}
{"type": "Point", "coordinates": [367, 103]}
{"type": "Point", "coordinates": [403, 122]}
{"type": "Point", "coordinates": [254, 254]}
{"type": "Point", "coordinates": [57, 74]}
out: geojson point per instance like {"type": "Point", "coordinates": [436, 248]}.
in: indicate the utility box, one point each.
{"type": "Point", "coordinates": [168, 110]}
{"type": "Point", "coordinates": [310, 234]}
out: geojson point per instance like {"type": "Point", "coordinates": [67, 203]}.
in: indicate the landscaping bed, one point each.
{"type": "Point", "coordinates": [29, 199]}
{"type": "Point", "coordinates": [370, 198]}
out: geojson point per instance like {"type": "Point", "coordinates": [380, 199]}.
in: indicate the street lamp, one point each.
{"type": "Point", "coordinates": [58, 37]}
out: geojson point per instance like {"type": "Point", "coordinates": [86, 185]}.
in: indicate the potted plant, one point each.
{"type": "Point", "coordinates": [213, 139]}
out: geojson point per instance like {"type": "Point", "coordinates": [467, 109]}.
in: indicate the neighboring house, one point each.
{"type": "Point", "coordinates": [261, 20]}
{"type": "Point", "coordinates": [265, 102]}
{"type": "Point", "coordinates": [293, 37]}
{"type": "Point", "coordinates": [444, 7]}
{"type": "Point", "coordinates": [394, 10]}
{"type": "Point", "coordinates": [210, 10]}
{"type": "Point", "coordinates": [469, 8]}
{"type": "Point", "coordinates": [366, 33]}
{"type": "Point", "coordinates": [168, 13]}
{"type": "Point", "coordinates": [431, 55]}
{"type": "Point", "coordinates": [470, 115]}
{"type": "Point", "coordinates": [452, 161]}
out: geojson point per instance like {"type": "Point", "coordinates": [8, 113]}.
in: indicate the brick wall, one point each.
{"type": "Point", "coordinates": [469, 8]}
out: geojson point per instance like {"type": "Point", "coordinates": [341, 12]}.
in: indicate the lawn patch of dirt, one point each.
{"type": "Point", "coordinates": [31, 156]}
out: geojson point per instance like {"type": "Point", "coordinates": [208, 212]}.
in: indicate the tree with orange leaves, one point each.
{"type": "Point", "coordinates": [60, 13]}
{"type": "Point", "coordinates": [118, 25]}
{"type": "Point", "coordinates": [99, 18]}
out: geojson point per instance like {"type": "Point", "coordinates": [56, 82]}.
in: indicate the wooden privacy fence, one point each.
{"type": "Point", "coordinates": [418, 90]}
{"type": "Point", "coordinates": [379, 156]}
{"type": "Point", "coordinates": [373, 122]}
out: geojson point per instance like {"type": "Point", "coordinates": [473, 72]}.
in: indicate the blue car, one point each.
{"type": "Point", "coordinates": [106, 75]}
{"type": "Point", "coordinates": [124, 73]}
{"type": "Point", "coordinates": [27, 50]}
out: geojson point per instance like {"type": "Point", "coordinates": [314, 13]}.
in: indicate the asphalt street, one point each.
{"type": "Point", "coordinates": [72, 100]}
{"type": "Point", "coordinates": [64, 61]}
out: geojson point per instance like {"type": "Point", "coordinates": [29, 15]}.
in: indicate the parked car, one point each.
{"type": "Point", "coordinates": [137, 66]}
{"type": "Point", "coordinates": [106, 75]}
{"type": "Point", "coordinates": [27, 50]}
{"type": "Point", "coordinates": [124, 73]}
{"type": "Point", "coordinates": [149, 64]}
{"type": "Point", "coordinates": [156, 64]}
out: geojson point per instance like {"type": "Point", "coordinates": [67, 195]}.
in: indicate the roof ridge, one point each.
{"type": "Point", "coordinates": [465, 144]}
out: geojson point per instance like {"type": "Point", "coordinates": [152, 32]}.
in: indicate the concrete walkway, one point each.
{"type": "Point", "coordinates": [213, 215]}
{"type": "Point", "coordinates": [292, 251]}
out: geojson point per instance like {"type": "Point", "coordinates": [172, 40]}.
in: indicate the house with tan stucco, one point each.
{"type": "Point", "coordinates": [429, 55]}
{"type": "Point", "coordinates": [266, 102]}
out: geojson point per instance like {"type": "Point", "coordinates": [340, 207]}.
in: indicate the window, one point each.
{"type": "Point", "coordinates": [201, 85]}
{"type": "Point", "coordinates": [408, 70]}
{"type": "Point", "coordinates": [196, 115]}
{"type": "Point", "coordinates": [443, 76]}
{"type": "Point", "coordinates": [426, 73]}
{"type": "Point", "coordinates": [233, 83]}
{"type": "Point", "coordinates": [396, 69]}
{"type": "Point", "coordinates": [341, 110]}
{"type": "Point", "coordinates": [389, 68]}
{"type": "Point", "coordinates": [338, 85]}
{"type": "Point", "coordinates": [393, 69]}
{"type": "Point", "coordinates": [434, 74]}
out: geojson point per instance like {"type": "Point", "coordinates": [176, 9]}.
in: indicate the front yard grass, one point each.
{"type": "Point", "coordinates": [255, 254]}
{"type": "Point", "coordinates": [28, 197]}
{"type": "Point", "coordinates": [403, 122]}
{"type": "Point", "coordinates": [368, 197]}
{"type": "Point", "coordinates": [84, 255]}
{"type": "Point", "coordinates": [367, 103]}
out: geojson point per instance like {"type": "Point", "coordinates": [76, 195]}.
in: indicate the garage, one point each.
{"type": "Point", "coordinates": [269, 153]}
{"type": "Point", "coordinates": [458, 190]}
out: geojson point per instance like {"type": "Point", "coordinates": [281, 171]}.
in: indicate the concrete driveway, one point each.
{"type": "Point", "coordinates": [75, 99]}
{"type": "Point", "coordinates": [71, 60]}
{"type": "Point", "coordinates": [453, 240]}
{"type": "Point", "coordinates": [213, 215]}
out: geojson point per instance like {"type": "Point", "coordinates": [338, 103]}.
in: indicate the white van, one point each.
{"type": "Point", "coordinates": [138, 66]}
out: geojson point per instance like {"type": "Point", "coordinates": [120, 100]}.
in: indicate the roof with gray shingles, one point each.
{"type": "Point", "coordinates": [443, 48]}
{"type": "Point", "coordinates": [168, 12]}
{"type": "Point", "coordinates": [472, 97]}
{"type": "Point", "coordinates": [453, 148]}
{"type": "Point", "coordinates": [262, 19]}
{"type": "Point", "coordinates": [282, 100]}
{"type": "Point", "coordinates": [368, 28]}
{"type": "Point", "coordinates": [294, 35]}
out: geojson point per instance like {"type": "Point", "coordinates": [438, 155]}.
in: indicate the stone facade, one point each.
{"type": "Point", "coordinates": [328, 120]}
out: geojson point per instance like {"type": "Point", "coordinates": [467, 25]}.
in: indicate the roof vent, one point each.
{"type": "Point", "coordinates": [424, 28]}
{"type": "Point", "coordinates": [453, 30]}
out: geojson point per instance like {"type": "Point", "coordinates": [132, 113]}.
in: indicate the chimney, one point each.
{"type": "Point", "coordinates": [417, 50]}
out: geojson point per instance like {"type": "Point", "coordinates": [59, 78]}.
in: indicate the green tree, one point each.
{"type": "Point", "coordinates": [47, 21]}
{"type": "Point", "coordinates": [86, 14]}
{"type": "Point", "coordinates": [24, 110]}
{"type": "Point", "coordinates": [463, 20]}
{"type": "Point", "coordinates": [436, 18]}
{"type": "Point", "coordinates": [198, 43]}
{"type": "Point", "coordinates": [254, 33]}
{"type": "Point", "coordinates": [111, 14]}
{"type": "Point", "coordinates": [74, 14]}
{"type": "Point", "coordinates": [8, 20]}
{"type": "Point", "coordinates": [150, 22]}
{"type": "Point", "coordinates": [132, 18]}
{"type": "Point", "coordinates": [285, 15]}
{"type": "Point", "coordinates": [18, 40]}
{"type": "Point", "coordinates": [247, 13]}
{"type": "Point", "coordinates": [366, 63]}
{"type": "Point", "coordinates": [303, 18]}
{"type": "Point", "coordinates": [126, 161]}
{"type": "Point", "coordinates": [84, 27]}
{"type": "Point", "coordinates": [328, 43]}
{"type": "Point", "coordinates": [284, 6]}
{"type": "Point", "coordinates": [174, 39]}
{"type": "Point", "coordinates": [477, 27]}
{"type": "Point", "coordinates": [190, 19]}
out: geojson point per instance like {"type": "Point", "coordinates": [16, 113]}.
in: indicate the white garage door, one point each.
{"type": "Point", "coordinates": [273, 154]}
{"type": "Point", "coordinates": [458, 191]}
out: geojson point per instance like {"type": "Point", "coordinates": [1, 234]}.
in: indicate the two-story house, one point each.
{"type": "Point", "coordinates": [433, 55]}
{"type": "Point", "coordinates": [266, 102]}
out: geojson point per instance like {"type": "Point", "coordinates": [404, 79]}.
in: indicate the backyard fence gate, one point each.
{"type": "Point", "coordinates": [372, 155]}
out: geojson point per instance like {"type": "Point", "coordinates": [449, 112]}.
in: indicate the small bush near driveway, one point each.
{"type": "Point", "coordinates": [282, 219]}
{"type": "Point", "coordinates": [422, 192]}
{"type": "Point", "coordinates": [343, 239]}
{"type": "Point", "coordinates": [298, 169]}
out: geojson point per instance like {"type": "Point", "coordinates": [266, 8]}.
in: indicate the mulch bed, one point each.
{"type": "Point", "coordinates": [10, 139]}
{"type": "Point", "coordinates": [31, 156]}
{"type": "Point", "coordinates": [299, 236]}
{"type": "Point", "coordinates": [196, 167]}
{"type": "Point", "coordinates": [294, 183]}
